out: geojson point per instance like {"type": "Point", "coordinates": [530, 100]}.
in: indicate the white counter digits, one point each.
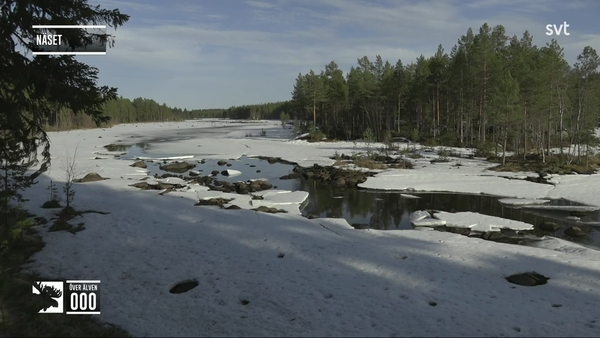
{"type": "Point", "coordinates": [82, 297]}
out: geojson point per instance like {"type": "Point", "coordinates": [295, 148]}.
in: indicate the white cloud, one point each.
{"type": "Point", "coordinates": [530, 6]}
{"type": "Point", "coordinates": [581, 4]}
{"type": "Point", "coordinates": [125, 6]}
{"type": "Point", "coordinates": [274, 41]}
{"type": "Point", "coordinates": [575, 43]}
{"type": "Point", "coordinates": [259, 4]}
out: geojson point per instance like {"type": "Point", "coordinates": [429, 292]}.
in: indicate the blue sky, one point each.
{"type": "Point", "coordinates": [219, 53]}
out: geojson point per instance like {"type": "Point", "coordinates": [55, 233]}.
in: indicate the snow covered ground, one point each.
{"type": "Point", "coordinates": [301, 277]}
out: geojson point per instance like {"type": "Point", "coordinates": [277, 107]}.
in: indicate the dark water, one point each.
{"type": "Point", "coordinates": [248, 167]}
{"type": "Point", "coordinates": [390, 211]}
{"type": "Point", "coordinates": [378, 209]}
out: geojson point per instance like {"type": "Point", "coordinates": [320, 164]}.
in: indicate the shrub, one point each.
{"type": "Point", "coordinates": [316, 134]}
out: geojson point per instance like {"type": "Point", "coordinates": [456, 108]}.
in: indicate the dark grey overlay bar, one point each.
{"type": "Point", "coordinates": [47, 40]}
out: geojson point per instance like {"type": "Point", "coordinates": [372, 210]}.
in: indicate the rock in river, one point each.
{"type": "Point", "coordinates": [575, 232]}
{"type": "Point", "coordinates": [139, 164]}
{"type": "Point", "coordinates": [177, 167]}
{"type": "Point", "coordinates": [549, 226]}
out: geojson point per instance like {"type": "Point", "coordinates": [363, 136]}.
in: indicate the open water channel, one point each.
{"type": "Point", "coordinates": [384, 210]}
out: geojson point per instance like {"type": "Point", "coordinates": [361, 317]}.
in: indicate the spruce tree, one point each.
{"type": "Point", "coordinates": [34, 89]}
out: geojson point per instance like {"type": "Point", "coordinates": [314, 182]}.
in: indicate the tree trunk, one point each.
{"type": "Point", "coordinates": [504, 147]}
{"type": "Point", "coordinates": [549, 124]}
{"type": "Point", "coordinates": [525, 133]}
{"type": "Point", "coordinates": [437, 99]}
{"type": "Point", "coordinates": [315, 109]}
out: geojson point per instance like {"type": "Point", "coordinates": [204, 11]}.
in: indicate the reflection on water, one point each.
{"type": "Point", "coordinates": [378, 210]}
{"type": "Point", "coordinates": [133, 150]}
{"type": "Point", "coordinates": [389, 211]}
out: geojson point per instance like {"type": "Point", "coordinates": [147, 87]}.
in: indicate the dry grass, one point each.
{"type": "Point", "coordinates": [366, 162]}
{"type": "Point", "coordinates": [340, 163]}
{"type": "Point", "coordinates": [552, 166]}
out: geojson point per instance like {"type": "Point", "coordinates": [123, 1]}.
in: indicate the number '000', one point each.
{"type": "Point", "coordinates": [83, 301]}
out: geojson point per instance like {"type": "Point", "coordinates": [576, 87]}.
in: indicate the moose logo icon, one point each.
{"type": "Point", "coordinates": [51, 296]}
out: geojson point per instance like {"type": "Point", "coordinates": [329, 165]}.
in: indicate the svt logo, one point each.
{"type": "Point", "coordinates": [552, 29]}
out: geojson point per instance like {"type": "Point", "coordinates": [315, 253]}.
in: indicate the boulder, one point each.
{"type": "Point", "coordinates": [113, 147]}
{"type": "Point", "coordinates": [242, 188]}
{"type": "Point", "coordinates": [158, 186]}
{"type": "Point", "coordinates": [263, 208]}
{"type": "Point", "coordinates": [139, 164]}
{"type": "Point", "coordinates": [575, 232]}
{"type": "Point", "coordinates": [171, 175]}
{"type": "Point", "coordinates": [142, 185]}
{"type": "Point", "coordinates": [177, 167]}
{"type": "Point", "coordinates": [528, 279]}
{"type": "Point", "coordinates": [228, 187]}
{"type": "Point", "coordinates": [91, 177]}
{"type": "Point", "coordinates": [340, 182]}
{"type": "Point", "coordinates": [290, 176]}
{"type": "Point", "coordinates": [264, 185]}
{"type": "Point", "coordinates": [214, 201]}
{"type": "Point", "coordinates": [203, 180]}
{"type": "Point", "coordinates": [549, 226]}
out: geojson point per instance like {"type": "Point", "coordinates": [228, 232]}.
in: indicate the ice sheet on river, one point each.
{"type": "Point", "coordinates": [479, 222]}
{"type": "Point", "coordinates": [419, 215]}
{"type": "Point", "coordinates": [409, 196]}
{"type": "Point", "coordinates": [231, 172]}
{"type": "Point", "coordinates": [170, 158]}
{"type": "Point", "coordinates": [523, 201]}
{"type": "Point", "coordinates": [429, 222]}
{"type": "Point", "coordinates": [280, 197]}
{"type": "Point", "coordinates": [422, 218]}
{"type": "Point", "coordinates": [582, 208]}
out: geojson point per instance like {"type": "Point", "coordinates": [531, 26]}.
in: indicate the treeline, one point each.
{"type": "Point", "coordinates": [490, 89]}
{"type": "Point", "coordinates": [262, 111]}
{"type": "Point", "coordinates": [120, 110]}
{"type": "Point", "coordinates": [207, 113]}
{"type": "Point", "coordinates": [123, 110]}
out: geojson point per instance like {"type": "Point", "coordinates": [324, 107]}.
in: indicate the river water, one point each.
{"type": "Point", "coordinates": [381, 210]}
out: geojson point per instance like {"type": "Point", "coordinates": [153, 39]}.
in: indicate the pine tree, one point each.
{"type": "Point", "coordinates": [32, 90]}
{"type": "Point", "coordinates": [45, 88]}
{"type": "Point", "coordinates": [505, 99]}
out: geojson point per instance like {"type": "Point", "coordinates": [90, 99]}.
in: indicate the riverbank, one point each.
{"type": "Point", "coordinates": [282, 274]}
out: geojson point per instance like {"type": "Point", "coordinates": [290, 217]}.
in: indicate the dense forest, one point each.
{"type": "Point", "coordinates": [261, 111]}
{"type": "Point", "coordinates": [123, 110]}
{"type": "Point", "coordinates": [490, 89]}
